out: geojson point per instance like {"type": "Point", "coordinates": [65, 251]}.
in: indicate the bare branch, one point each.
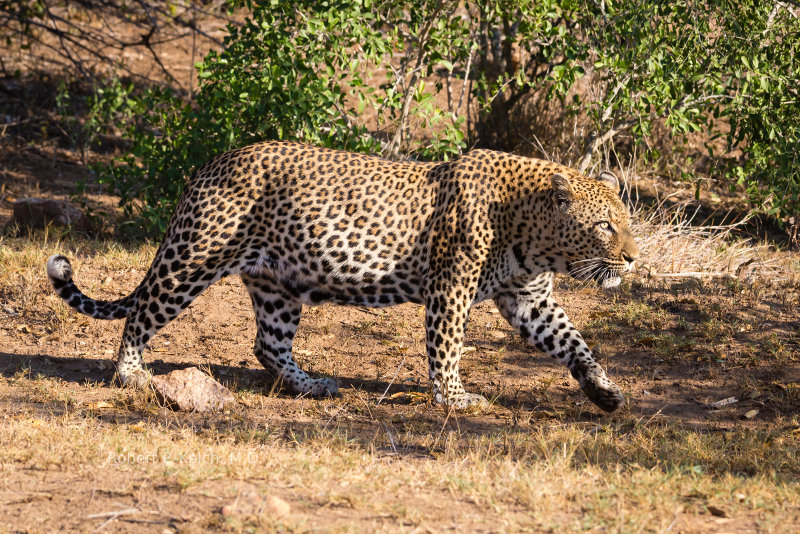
{"type": "Point", "coordinates": [392, 149]}
{"type": "Point", "coordinates": [93, 40]}
{"type": "Point", "coordinates": [596, 141]}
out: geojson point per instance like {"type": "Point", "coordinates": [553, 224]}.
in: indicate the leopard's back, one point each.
{"type": "Point", "coordinates": [329, 225]}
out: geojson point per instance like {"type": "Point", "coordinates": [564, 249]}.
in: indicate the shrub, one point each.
{"type": "Point", "coordinates": [313, 70]}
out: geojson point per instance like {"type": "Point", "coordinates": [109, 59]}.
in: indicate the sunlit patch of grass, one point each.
{"type": "Point", "coordinates": [601, 325]}
{"type": "Point", "coordinates": [666, 345]}
{"type": "Point", "coordinates": [714, 330]}
{"type": "Point", "coordinates": [23, 279]}
{"type": "Point", "coordinates": [621, 474]}
{"type": "Point", "coordinates": [641, 314]}
{"type": "Point", "coordinates": [676, 245]}
{"type": "Point", "coordinates": [778, 351]}
{"type": "Point", "coordinates": [645, 469]}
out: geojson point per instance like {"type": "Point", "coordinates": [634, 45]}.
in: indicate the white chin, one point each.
{"type": "Point", "coordinates": [609, 283]}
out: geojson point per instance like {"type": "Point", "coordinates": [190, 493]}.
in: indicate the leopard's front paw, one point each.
{"type": "Point", "coordinates": [606, 395]}
{"type": "Point", "coordinates": [136, 378]}
{"type": "Point", "coordinates": [323, 387]}
{"type": "Point", "coordinates": [468, 402]}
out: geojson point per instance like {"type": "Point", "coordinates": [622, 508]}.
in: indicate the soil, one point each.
{"type": "Point", "coordinates": [695, 343]}
{"type": "Point", "coordinates": [378, 358]}
{"type": "Point", "coordinates": [673, 348]}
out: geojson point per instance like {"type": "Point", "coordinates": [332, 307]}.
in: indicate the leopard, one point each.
{"type": "Point", "coordinates": [304, 225]}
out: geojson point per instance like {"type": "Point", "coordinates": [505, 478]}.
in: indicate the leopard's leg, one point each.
{"type": "Point", "coordinates": [170, 286]}
{"type": "Point", "coordinates": [537, 317]}
{"type": "Point", "coordinates": [277, 316]}
{"type": "Point", "coordinates": [447, 311]}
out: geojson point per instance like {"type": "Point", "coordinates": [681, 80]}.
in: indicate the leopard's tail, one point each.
{"type": "Point", "coordinates": [60, 273]}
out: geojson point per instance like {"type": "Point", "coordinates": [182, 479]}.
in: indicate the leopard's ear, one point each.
{"type": "Point", "coordinates": [610, 179]}
{"type": "Point", "coordinates": [563, 189]}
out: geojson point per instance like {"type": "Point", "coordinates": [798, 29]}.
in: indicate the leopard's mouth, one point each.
{"type": "Point", "coordinates": [606, 273]}
{"type": "Point", "coordinates": [609, 279]}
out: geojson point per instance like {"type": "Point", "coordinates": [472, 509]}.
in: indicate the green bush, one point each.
{"type": "Point", "coordinates": [715, 68]}
{"type": "Point", "coordinates": [277, 77]}
{"type": "Point", "coordinates": [313, 70]}
{"type": "Point", "coordinates": [724, 69]}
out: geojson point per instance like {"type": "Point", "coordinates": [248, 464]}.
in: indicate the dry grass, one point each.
{"type": "Point", "coordinates": [354, 464]}
{"type": "Point", "coordinates": [23, 280]}
{"type": "Point", "coordinates": [675, 244]}
{"type": "Point", "coordinates": [624, 476]}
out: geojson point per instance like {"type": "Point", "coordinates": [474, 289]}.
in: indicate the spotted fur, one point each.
{"type": "Point", "coordinates": [309, 225]}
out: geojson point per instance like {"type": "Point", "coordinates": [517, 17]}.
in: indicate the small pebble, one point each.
{"type": "Point", "coordinates": [277, 506]}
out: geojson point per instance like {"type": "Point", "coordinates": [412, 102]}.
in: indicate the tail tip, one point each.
{"type": "Point", "coordinates": [58, 268]}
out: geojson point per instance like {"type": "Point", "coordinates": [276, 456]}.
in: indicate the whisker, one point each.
{"type": "Point", "coordinates": [598, 258]}
{"type": "Point", "coordinates": [591, 271]}
{"type": "Point", "coordinates": [583, 275]}
{"type": "Point", "coordinates": [585, 269]}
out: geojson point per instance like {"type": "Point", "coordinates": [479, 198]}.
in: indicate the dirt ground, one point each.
{"type": "Point", "coordinates": [673, 350]}
{"type": "Point", "coordinates": [80, 453]}
{"type": "Point", "coordinates": [675, 347]}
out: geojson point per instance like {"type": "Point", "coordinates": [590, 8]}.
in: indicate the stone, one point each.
{"type": "Point", "coordinates": [192, 390]}
{"type": "Point", "coordinates": [277, 507]}
{"type": "Point", "coordinates": [38, 212]}
{"type": "Point", "coordinates": [251, 503]}
{"type": "Point", "coordinates": [228, 510]}
{"type": "Point", "coordinates": [716, 511]}
{"type": "Point", "coordinates": [497, 335]}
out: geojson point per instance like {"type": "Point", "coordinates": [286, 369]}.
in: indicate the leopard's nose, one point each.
{"type": "Point", "coordinates": [629, 255]}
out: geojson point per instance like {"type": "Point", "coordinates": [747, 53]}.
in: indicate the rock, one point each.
{"type": "Point", "coordinates": [228, 510]}
{"type": "Point", "coordinates": [251, 503]}
{"type": "Point", "coordinates": [247, 503]}
{"type": "Point", "coordinates": [192, 390]}
{"type": "Point", "coordinates": [37, 212]}
{"type": "Point", "coordinates": [717, 511]}
{"type": "Point", "coordinates": [277, 507]}
{"type": "Point", "coordinates": [497, 335]}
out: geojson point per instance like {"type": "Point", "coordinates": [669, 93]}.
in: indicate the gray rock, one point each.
{"type": "Point", "coordinates": [252, 503]}
{"type": "Point", "coordinates": [192, 390]}
{"type": "Point", "coordinates": [37, 212]}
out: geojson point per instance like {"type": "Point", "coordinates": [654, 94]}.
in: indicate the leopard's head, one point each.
{"type": "Point", "coordinates": [595, 237]}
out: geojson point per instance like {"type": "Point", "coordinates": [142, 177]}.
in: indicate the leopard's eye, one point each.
{"type": "Point", "coordinates": [604, 225]}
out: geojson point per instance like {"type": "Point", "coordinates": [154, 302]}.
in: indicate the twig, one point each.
{"type": "Point", "coordinates": [127, 511]}
{"type": "Point", "coordinates": [596, 141]}
{"type": "Point", "coordinates": [85, 46]}
{"type": "Point", "coordinates": [393, 148]}
{"type": "Point", "coordinates": [538, 145]}
{"type": "Point", "coordinates": [366, 404]}
{"type": "Point", "coordinates": [444, 425]}
{"type": "Point", "coordinates": [391, 439]}
{"type": "Point", "coordinates": [340, 410]}
{"type": "Point", "coordinates": [693, 274]}
{"type": "Point", "coordinates": [114, 515]}
{"type": "Point", "coordinates": [392, 380]}
{"type": "Point", "coordinates": [721, 403]}
{"type": "Point", "coordinates": [466, 79]}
